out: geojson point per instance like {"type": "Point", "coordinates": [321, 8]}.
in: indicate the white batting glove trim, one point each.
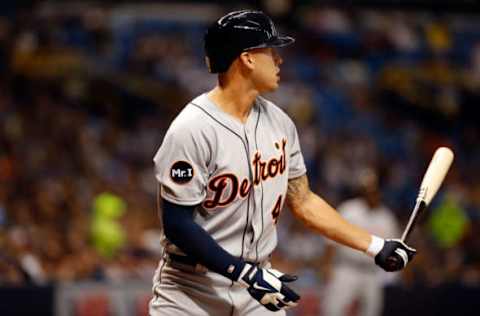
{"type": "Point", "coordinates": [245, 270]}
{"type": "Point", "coordinates": [272, 280]}
{"type": "Point", "coordinates": [404, 244]}
{"type": "Point", "coordinates": [275, 272]}
{"type": "Point", "coordinates": [375, 246]}
{"type": "Point", "coordinates": [403, 254]}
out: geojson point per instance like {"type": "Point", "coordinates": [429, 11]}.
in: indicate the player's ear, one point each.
{"type": "Point", "coordinates": [246, 58]}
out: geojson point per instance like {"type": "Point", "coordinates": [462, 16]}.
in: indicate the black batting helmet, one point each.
{"type": "Point", "coordinates": [237, 32]}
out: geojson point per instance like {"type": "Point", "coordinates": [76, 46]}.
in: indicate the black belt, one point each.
{"type": "Point", "coordinates": [187, 260]}
{"type": "Point", "coordinates": [185, 263]}
{"type": "Point", "coordinates": [194, 264]}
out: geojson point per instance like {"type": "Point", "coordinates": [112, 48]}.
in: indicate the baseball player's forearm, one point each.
{"type": "Point", "coordinates": [192, 239]}
{"type": "Point", "coordinates": [317, 214]}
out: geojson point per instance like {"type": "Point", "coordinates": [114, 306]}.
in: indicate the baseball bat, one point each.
{"type": "Point", "coordinates": [433, 178]}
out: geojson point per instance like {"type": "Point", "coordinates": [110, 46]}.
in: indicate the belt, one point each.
{"type": "Point", "coordinates": [190, 264]}
{"type": "Point", "coordinates": [185, 263]}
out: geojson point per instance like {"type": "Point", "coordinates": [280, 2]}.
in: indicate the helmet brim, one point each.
{"type": "Point", "coordinates": [280, 41]}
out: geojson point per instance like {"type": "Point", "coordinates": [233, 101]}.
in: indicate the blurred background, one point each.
{"type": "Point", "coordinates": [87, 90]}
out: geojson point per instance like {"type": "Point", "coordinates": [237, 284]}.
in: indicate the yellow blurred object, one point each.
{"type": "Point", "coordinates": [448, 222]}
{"type": "Point", "coordinates": [438, 37]}
{"type": "Point", "coordinates": [108, 235]}
{"type": "Point", "coordinates": [36, 61]}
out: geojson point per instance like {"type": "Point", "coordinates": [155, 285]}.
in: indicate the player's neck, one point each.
{"type": "Point", "coordinates": [236, 100]}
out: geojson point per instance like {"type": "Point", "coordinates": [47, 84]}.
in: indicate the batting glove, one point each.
{"type": "Point", "coordinates": [268, 287]}
{"type": "Point", "coordinates": [393, 254]}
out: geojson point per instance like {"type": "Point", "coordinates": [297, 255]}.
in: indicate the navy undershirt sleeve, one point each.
{"type": "Point", "coordinates": [194, 241]}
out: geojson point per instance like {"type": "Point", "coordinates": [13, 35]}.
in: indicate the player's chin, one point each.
{"type": "Point", "coordinates": [272, 85]}
{"type": "Point", "coordinates": [269, 89]}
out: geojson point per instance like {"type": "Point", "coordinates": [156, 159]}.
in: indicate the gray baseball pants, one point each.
{"type": "Point", "coordinates": [186, 292]}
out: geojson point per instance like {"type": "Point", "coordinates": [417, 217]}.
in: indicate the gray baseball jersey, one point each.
{"type": "Point", "coordinates": [236, 173]}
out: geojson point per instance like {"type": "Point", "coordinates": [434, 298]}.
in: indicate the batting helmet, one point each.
{"type": "Point", "coordinates": [237, 32]}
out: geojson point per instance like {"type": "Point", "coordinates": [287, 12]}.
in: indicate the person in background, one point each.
{"type": "Point", "coordinates": [351, 276]}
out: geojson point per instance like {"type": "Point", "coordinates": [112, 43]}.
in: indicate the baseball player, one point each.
{"type": "Point", "coordinates": [228, 163]}
{"type": "Point", "coordinates": [352, 274]}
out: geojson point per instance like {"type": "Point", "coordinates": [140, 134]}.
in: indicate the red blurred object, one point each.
{"type": "Point", "coordinates": [309, 304]}
{"type": "Point", "coordinates": [141, 305]}
{"type": "Point", "coordinates": [97, 304]}
{"type": "Point", "coordinates": [6, 169]}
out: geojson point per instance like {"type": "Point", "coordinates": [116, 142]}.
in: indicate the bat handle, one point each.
{"type": "Point", "coordinates": [420, 205]}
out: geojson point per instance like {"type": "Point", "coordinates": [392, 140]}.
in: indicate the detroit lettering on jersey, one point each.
{"type": "Point", "coordinates": [262, 171]}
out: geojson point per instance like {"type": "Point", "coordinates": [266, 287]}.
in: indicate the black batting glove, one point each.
{"type": "Point", "coordinates": [394, 255]}
{"type": "Point", "coordinates": [268, 287]}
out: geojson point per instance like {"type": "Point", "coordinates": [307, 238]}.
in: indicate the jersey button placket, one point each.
{"type": "Point", "coordinates": [256, 219]}
{"type": "Point", "coordinates": [252, 233]}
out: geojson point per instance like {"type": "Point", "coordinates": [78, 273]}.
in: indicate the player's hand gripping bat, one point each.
{"type": "Point", "coordinates": [433, 178]}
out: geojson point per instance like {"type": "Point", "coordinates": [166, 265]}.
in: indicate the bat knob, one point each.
{"type": "Point", "coordinates": [392, 264]}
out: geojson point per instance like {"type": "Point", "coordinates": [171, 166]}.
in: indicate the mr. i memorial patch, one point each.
{"type": "Point", "coordinates": [181, 172]}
